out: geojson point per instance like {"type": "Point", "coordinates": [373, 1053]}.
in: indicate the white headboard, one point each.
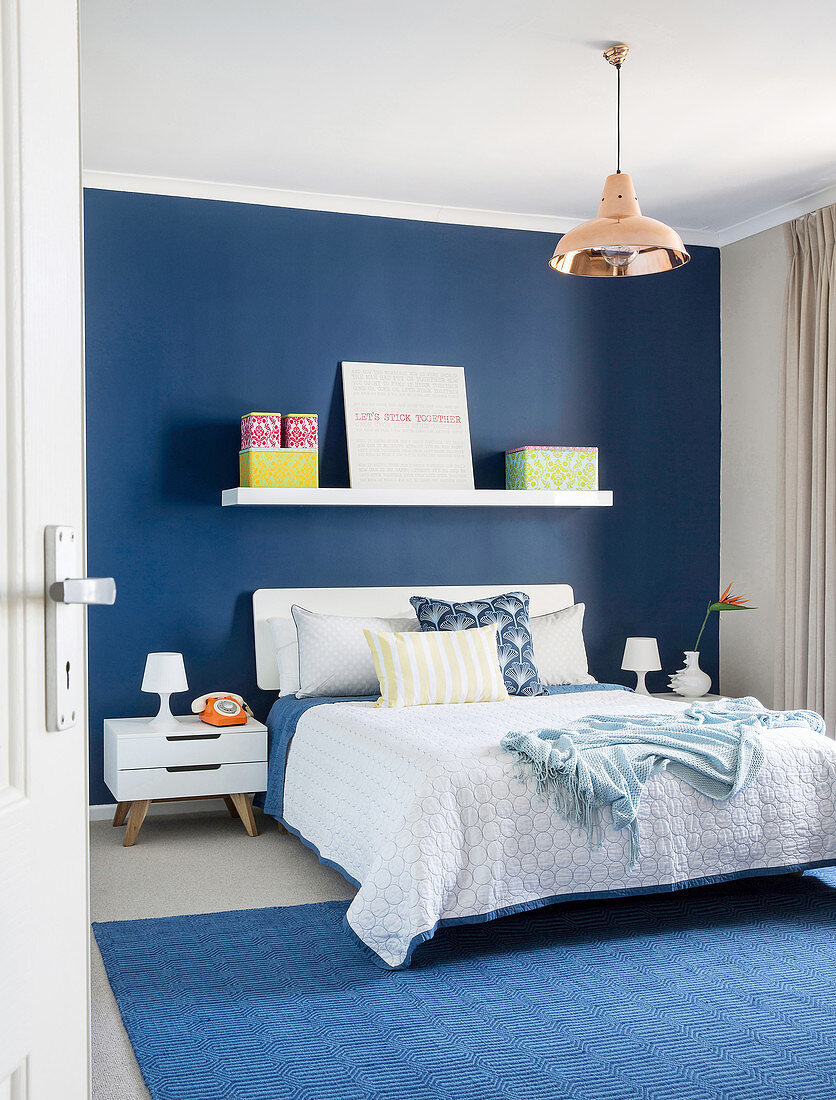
{"type": "Point", "coordinates": [388, 603]}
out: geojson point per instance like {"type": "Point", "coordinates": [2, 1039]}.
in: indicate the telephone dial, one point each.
{"type": "Point", "coordinates": [221, 708]}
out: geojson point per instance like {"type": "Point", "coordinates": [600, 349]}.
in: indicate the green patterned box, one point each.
{"type": "Point", "coordinates": [551, 468]}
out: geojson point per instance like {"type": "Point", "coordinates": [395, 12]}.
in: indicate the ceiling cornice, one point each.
{"type": "Point", "coordinates": [426, 212]}
{"type": "Point", "coordinates": [777, 215]}
{"type": "Point", "coordinates": [349, 204]}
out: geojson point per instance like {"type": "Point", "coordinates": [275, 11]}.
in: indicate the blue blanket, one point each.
{"type": "Point", "coordinates": [606, 760]}
{"type": "Point", "coordinates": [284, 717]}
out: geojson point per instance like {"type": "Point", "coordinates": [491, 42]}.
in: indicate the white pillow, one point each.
{"type": "Point", "coordinates": [286, 646]}
{"type": "Point", "coordinates": [334, 657]}
{"type": "Point", "coordinates": [287, 654]}
{"type": "Point", "coordinates": [559, 652]}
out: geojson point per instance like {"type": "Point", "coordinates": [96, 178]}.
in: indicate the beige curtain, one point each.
{"type": "Point", "coordinates": [805, 671]}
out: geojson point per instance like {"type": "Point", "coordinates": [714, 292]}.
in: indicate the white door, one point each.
{"type": "Point", "coordinates": [43, 783]}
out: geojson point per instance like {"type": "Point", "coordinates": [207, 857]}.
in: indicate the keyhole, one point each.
{"type": "Point", "coordinates": [68, 675]}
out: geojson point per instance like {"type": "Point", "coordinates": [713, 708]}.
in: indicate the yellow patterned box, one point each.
{"type": "Point", "coordinates": [288, 468]}
{"type": "Point", "coordinates": [551, 468]}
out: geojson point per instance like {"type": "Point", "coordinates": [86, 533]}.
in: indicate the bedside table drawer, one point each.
{"type": "Point", "coordinates": [200, 779]}
{"type": "Point", "coordinates": [199, 747]}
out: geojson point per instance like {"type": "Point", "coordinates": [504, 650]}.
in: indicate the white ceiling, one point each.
{"type": "Point", "coordinates": [729, 108]}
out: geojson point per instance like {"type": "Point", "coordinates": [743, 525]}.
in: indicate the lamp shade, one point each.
{"type": "Point", "coordinates": [619, 240]}
{"type": "Point", "coordinates": [165, 673]}
{"type": "Point", "coordinates": [641, 655]}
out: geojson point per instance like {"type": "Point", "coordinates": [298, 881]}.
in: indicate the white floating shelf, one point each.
{"type": "Point", "coordinates": [422, 498]}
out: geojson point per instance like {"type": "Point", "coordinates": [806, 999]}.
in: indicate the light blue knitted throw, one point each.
{"type": "Point", "coordinates": [606, 759]}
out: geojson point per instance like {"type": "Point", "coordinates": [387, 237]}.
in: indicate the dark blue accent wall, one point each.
{"type": "Point", "coordinates": [200, 311]}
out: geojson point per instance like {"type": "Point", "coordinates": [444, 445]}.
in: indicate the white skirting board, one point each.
{"type": "Point", "coordinates": [158, 809]}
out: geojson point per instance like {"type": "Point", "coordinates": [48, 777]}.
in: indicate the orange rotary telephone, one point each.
{"type": "Point", "coordinates": [221, 708]}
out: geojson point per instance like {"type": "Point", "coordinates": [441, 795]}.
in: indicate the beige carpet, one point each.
{"type": "Point", "coordinates": [192, 863]}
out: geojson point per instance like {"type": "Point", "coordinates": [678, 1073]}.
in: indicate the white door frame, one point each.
{"type": "Point", "coordinates": [44, 921]}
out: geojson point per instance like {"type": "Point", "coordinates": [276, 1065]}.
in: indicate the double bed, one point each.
{"type": "Point", "coordinates": [420, 807]}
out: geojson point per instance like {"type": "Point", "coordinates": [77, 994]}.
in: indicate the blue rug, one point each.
{"type": "Point", "coordinates": [725, 992]}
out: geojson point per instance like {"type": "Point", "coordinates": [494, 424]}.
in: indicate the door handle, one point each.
{"type": "Point", "coordinates": [65, 594]}
{"type": "Point", "coordinates": [84, 590]}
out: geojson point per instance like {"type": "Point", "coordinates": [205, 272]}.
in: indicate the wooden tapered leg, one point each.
{"type": "Point", "coordinates": [137, 816]}
{"type": "Point", "coordinates": [230, 805]}
{"type": "Point", "coordinates": [282, 829]}
{"type": "Point", "coordinates": [245, 812]}
{"type": "Point", "coordinates": [122, 809]}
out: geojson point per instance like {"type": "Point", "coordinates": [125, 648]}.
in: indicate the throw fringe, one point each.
{"type": "Point", "coordinates": [574, 804]}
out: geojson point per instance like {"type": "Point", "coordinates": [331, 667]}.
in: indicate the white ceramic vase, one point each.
{"type": "Point", "coordinates": [691, 681]}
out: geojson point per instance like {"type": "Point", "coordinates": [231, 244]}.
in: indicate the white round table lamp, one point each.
{"type": "Point", "coordinates": [165, 674]}
{"type": "Point", "coordinates": [641, 655]}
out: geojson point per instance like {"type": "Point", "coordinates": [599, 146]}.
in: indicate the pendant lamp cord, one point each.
{"type": "Point", "coordinates": [618, 123]}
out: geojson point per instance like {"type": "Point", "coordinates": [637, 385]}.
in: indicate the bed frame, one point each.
{"type": "Point", "coordinates": [386, 603]}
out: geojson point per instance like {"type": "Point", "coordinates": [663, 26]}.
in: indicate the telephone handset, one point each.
{"type": "Point", "coordinates": [221, 708]}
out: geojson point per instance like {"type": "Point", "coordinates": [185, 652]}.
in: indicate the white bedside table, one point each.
{"type": "Point", "coordinates": [142, 765]}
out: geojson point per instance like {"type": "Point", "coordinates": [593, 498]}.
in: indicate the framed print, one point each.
{"type": "Point", "coordinates": [407, 426]}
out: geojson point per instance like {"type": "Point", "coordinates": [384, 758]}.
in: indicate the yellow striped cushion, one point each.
{"type": "Point", "coordinates": [440, 666]}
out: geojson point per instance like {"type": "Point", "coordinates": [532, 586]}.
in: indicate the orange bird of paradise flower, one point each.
{"type": "Point", "coordinates": [727, 602]}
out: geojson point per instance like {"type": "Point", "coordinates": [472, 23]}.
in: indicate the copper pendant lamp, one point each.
{"type": "Point", "coordinates": [619, 240]}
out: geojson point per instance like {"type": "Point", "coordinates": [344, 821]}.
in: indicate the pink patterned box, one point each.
{"type": "Point", "coordinates": [262, 431]}
{"type": "Point", "coordinates": [299, 431]}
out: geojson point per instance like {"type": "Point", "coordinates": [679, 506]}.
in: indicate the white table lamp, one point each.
{"type": "Point", "coordinates": [165, 674]}
{"type": "Point", "coordinates": [641, 655]}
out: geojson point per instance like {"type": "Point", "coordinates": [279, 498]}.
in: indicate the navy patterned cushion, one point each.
{"type": "Point", "coordinates": [513, 636]}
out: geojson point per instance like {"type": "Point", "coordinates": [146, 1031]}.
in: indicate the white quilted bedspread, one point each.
{"type": "Point", "coordinates": [420, 806]}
